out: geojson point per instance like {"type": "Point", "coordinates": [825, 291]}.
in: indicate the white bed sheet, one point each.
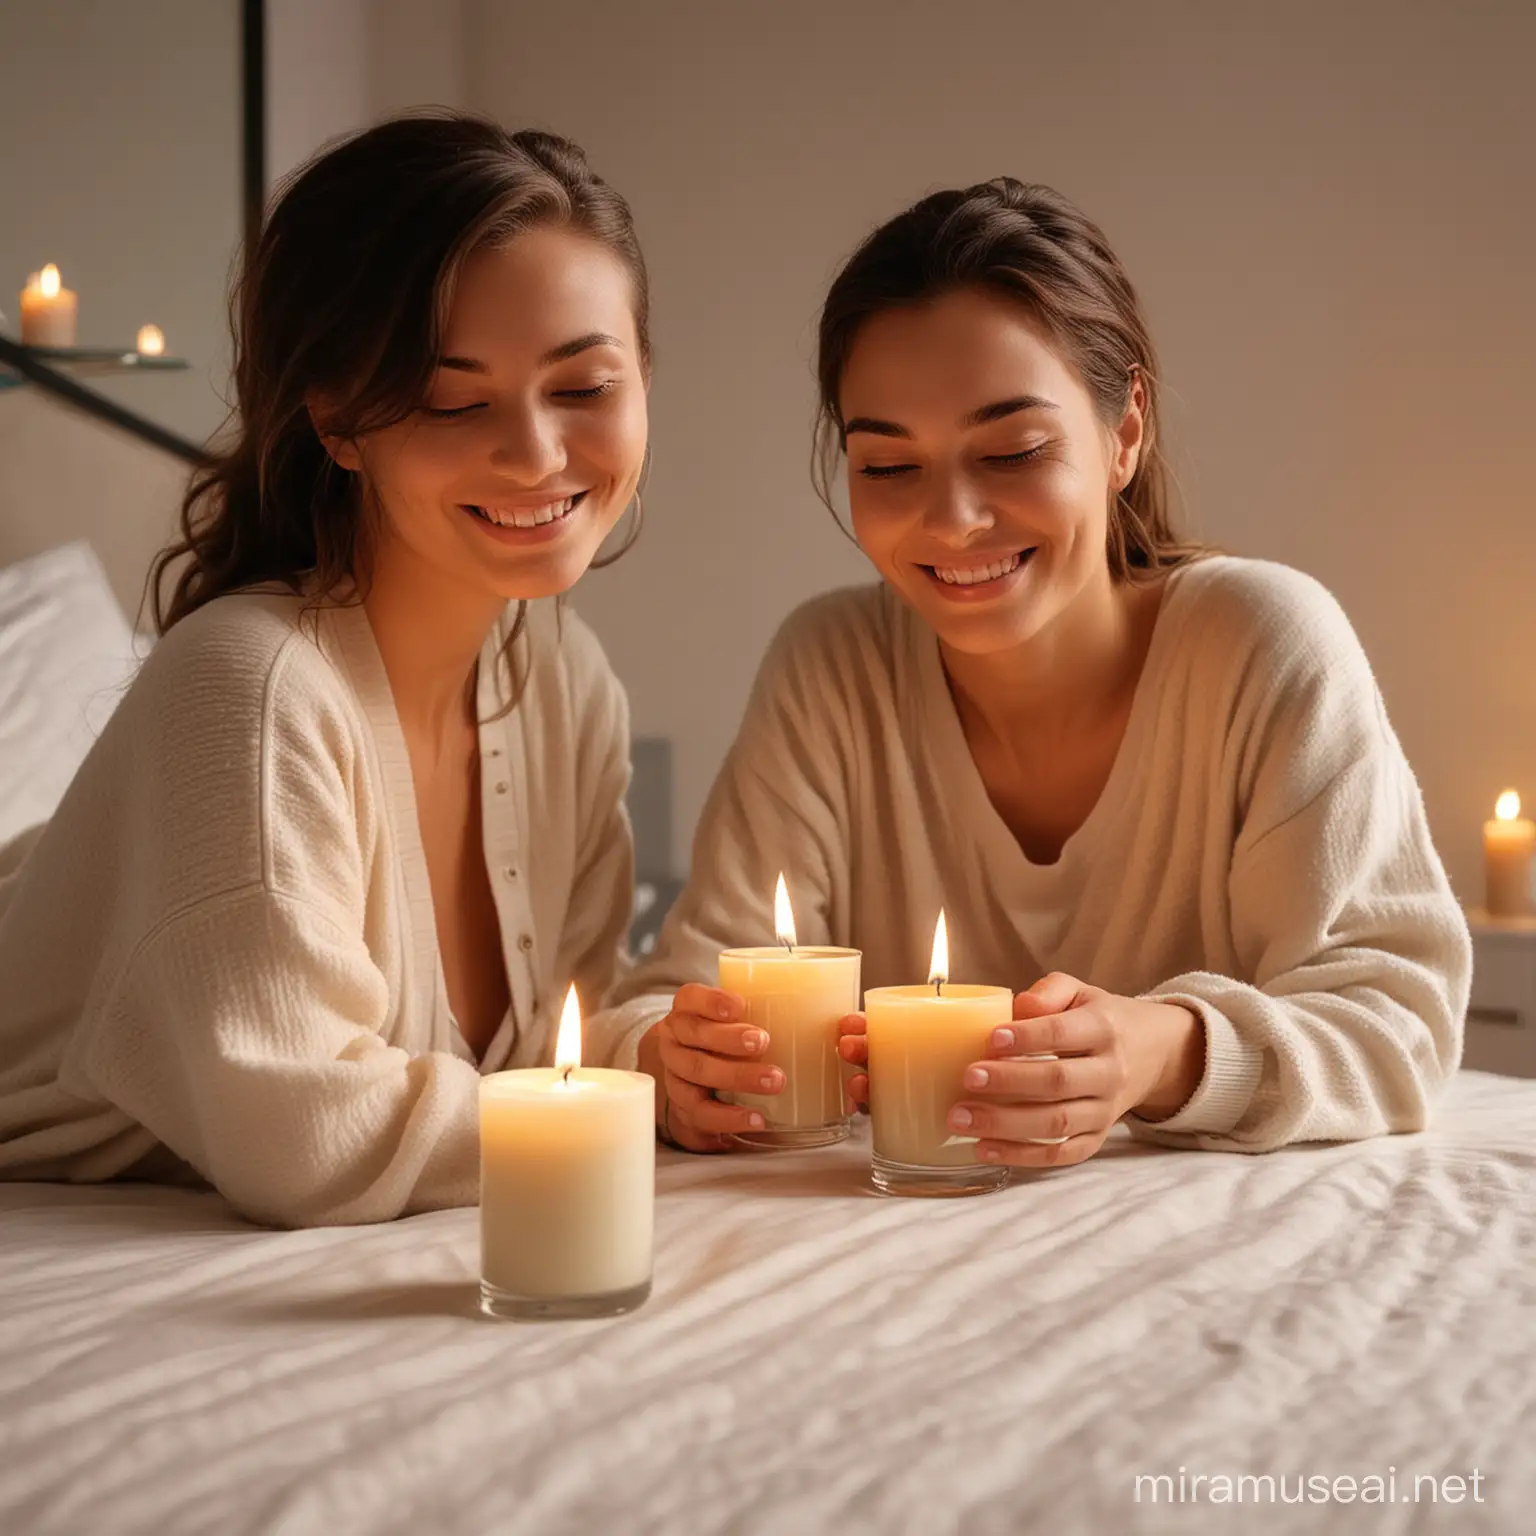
{"type": "Point", "coordinates": [814, 1358]}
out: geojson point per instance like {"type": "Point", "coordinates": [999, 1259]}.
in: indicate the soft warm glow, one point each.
{"type": "Point", "coordinates": [1508, 807]}
{"type": "Point", "coordinates": [568, 1041]}
{"type": "Point", "coordinates": [151, 342]}
{"type": "Point", "coordinates": [49, 282]}
{"type": "Point", "coordinates": [783, 914]}
{"type": "Point", "coordinates": [938, 969]}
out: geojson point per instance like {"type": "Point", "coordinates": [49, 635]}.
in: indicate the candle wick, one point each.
{"type": "Point", "coordinates": [789, 944]}
{"type": "Point", "coordinates": [567, 1076]}
{"type": "Point", "coordinates": [938, 986]}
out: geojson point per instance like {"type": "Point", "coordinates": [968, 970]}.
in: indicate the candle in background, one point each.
{"type": "Point", "coordinates": [567, 1186]}
{"type": "Point", "coordinates": [1509, 854]}
{"type": "Point", "coordinates": [796, 995]}
{"type": "Point", "coordinates": [48, 310]}
{"type": "Point", "coordinates": [921, 1040]}
{"type": "Point", "coordinates": [150, 342]}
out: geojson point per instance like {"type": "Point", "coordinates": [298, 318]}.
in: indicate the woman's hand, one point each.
{"type": "Point", "coordinates": [1109, 1055]}
{"type": "Point", "coordinates": [700, 1048]}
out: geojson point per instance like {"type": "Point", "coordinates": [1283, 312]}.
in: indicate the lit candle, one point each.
{"type": "Point", "coordinates": [796, 995]}
{"type": "Point", "coordinates": [567, 1186]}
{"type": "Point", "coordinates": [48, 310]}
{"type": "Point", "coordinates": [921, 1040]}
{"type": "Point", "coordinates": [150, 342]}
{"type": "Point", "coordinates": [1509, 851]}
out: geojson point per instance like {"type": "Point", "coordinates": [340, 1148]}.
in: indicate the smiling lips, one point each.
{"type": "Point", "coordinates": [972, 576]}
{"type": "Point", "coordinates": [501, 516]}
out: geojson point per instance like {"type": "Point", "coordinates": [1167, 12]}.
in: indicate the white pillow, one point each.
{"type": "Point", "coordinates": [66, 658]}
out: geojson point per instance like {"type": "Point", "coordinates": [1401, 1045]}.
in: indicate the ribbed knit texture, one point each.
{"type": "Point", "coordinates": [220, 957]}
{"type": "Point", "coordinates": [1259, 853]}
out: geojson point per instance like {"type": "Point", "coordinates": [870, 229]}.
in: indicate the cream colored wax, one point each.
{"type": "Point", "coordinates": [921, 1040]}
{"type": "Point", "coordinates": [567, 1181]}
{"type": "Point", "coordinates": [797, 995]}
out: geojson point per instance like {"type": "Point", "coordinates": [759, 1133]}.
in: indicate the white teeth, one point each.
{"type": "Point", "coordinates": [526, 517]}
{"type": "Point", "coordinates": [972, 576]}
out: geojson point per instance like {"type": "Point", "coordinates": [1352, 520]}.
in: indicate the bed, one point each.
{"type": "Point", "coordinates": [814, 1358]}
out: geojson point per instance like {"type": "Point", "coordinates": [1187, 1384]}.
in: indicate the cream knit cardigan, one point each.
{"type": "Point", "coordinates": [1259, 853]}
{"type": "Point", "coordinates": [220, 956]}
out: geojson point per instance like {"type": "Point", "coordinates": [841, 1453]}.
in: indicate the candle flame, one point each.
{"type": "Point", "coordinates": [783, 914]}
{"type": "Point", "coordinates": [49, 282]}
{"type": "Point", "coordinates": [938, 969]}
{"type": "Point", "coordinates": [568, 1041]}
{"type": "Point", "coordinates": [151, 341]}
{"type": "Point", "coordinates": [1508, 807]}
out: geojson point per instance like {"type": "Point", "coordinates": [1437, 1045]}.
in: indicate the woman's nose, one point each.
{"type": "Point", "coordinates": [956, 510]}
{"type": "Point", "coordinates": [529, 447]}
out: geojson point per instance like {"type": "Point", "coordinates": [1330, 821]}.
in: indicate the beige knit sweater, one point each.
{"type": "Point", "coordinates": [1259, 853]}
{"type": "Point", "coordinates": [220, 956]}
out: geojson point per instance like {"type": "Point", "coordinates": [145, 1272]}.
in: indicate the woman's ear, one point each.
{"type": "Point", "coordinates": [1129, 436]}
{"type": "Point", "coordinates": [343, 450]}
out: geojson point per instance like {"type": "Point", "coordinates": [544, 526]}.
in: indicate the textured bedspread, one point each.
{"type": "Point", "coordinates": [813, 1359]}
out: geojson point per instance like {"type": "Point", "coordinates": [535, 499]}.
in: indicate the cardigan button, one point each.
{"type": "Point", "coordinates": [509, 872]}
{"type": "Point", "coordinates": [525, 943]}
{"type": "Point", "coordinates": [501, 786]}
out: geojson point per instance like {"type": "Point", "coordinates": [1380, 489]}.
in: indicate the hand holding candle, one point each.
{"type": "Point", "coordinates": [1509, 854]}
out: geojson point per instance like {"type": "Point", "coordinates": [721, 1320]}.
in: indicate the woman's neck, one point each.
{"type": "Point", "coordinates": [1068, 677]}
{"type": "Point", "coordinates": [429, 632]}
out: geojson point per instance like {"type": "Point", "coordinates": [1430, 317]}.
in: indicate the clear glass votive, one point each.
{"type": "Point", "coordinates": [567, 1192]}
{"type": "Point", "coordinates": [797, 995]}
{"type": "Point", "coordinates": [921, 1040]}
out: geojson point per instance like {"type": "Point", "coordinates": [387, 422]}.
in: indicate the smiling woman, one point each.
{"type": "Point", "coordinates": [360, 819]}
{"type": "Point", "coordinates": [1155, 790]}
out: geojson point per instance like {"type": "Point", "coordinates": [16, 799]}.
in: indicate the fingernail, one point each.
{"type": "Point", "coordinates": [722, 1010]}
{"type": "Point", "coordinates": [977, 1077]}
{"type": "Point", "coordinates": [754, 1039]}
{"type": "Point", "coordinates": [769, 1080]}
{"type": "Point", "coordinates": [960, 1117]}
{"type": "Point", "coordinates": [991, 1155]}
{"type": "Point", "coordinates": [1002, 1039]}
{"type": "Point", "coordinates": [754, 1122]}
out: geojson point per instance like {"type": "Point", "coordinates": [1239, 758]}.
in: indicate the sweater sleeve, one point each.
{"type": "Point", "coordinates": [776, 806]}
{"type": "Point", "coordinates": [245, 1036]}
{"type": "Point", "coordinates": [1353, 956]}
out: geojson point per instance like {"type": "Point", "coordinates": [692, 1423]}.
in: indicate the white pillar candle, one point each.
{"type": "Point", "coordinates": [567, 1186]}
{"type": "Point", "coordinates": [921, 1040]}
{"type": "Point", "coordinates": [796, 995]}
{"type": "Point", "coordinates": [48, 310]}
{"type": "Point", "coordinates": [1509, 855]}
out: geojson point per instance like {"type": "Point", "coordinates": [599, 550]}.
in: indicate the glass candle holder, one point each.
{"type": "Point", "coordinates": [797, 995]}
{"type": "Point", "coordinates": [921, 1040]}
{"type": "Point", "coordinates": [567, 1192]}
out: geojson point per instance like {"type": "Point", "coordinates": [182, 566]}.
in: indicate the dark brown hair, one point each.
{"type": "Point", "coordinates": [1029, 244]}
{"type": "Point", "coordinates": [346, 294]}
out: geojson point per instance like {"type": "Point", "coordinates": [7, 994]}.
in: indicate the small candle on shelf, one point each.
{"type": "Point", "coordinates": [1509, 855]}
{"type": "Point", "coordinates": [921, 1040]}
{"type": "Point", "coordinates": [48, 310]}
{"type": "Point", "coordinates": [567, 1186]}
{"type": "Point", "coordinates": [796, 994]}
{"type": "Point", "coordinates": [150, 341]}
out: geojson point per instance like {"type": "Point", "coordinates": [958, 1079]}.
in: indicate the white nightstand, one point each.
{"type": "Point", "coordinates": [1501, 1021]}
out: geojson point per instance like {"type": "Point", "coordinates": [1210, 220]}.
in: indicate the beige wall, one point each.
{"type": "Point", "coordinates": [1328, 208]}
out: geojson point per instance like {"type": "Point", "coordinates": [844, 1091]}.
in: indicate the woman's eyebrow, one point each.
{"type": "Point", "coordinates": [554, 355]}
{"type": "Point", "coordinates": [977, 418]}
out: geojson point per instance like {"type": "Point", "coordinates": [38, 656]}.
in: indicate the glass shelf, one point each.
{"type": "Point", "coordinates": [94, 362]}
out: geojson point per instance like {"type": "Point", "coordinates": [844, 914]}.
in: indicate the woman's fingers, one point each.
{"type": "Point", "coordinates": [694, 1110]}
{"type": "Point", "coordinates": [1023, 1154]}
{"type": "Point", "coordinates": [709, 1003]}
{"type": "Point", "coordinates": [703, 1034]}
{"type": "Point", "coordinates": [1042, 1082]}
{"type": "Point", "coordinates": [1051, 994]}
{"type": "Point", "coordinates": [721, 1073]}
{"type": "Point", "coordinates": [1030, 1122]}
{"type": "Point", "coordinates": [1055, 1034]}
{"type": "Point", "coordinates": [858, 1093]}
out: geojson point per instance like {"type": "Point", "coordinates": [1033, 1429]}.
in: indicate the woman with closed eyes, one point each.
{"type": "Point", "coordinates": [1155, 789]}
